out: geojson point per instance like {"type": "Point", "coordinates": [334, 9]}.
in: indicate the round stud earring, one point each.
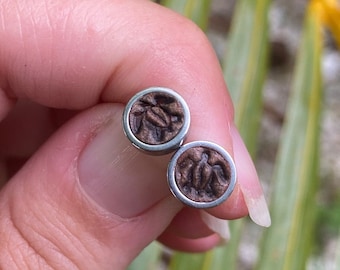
{"type": "Point", "coordinates": [156, 120]}
{"type": "Point", "coordinates": [201, 174]}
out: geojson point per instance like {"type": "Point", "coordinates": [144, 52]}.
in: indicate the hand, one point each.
{"type": "Point", "coordinates": [85, 198]}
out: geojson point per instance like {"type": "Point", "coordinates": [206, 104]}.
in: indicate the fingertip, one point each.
{"type": "Point", "coordinates": [233, 208]}
{"type": "Point", "coordinates": [217, 225]}
{"type": "Point", "coordinates": [190, 245]}
{"type": "Point", "coordinates": [188, 223]}
{"type": "Point", "coordinates": [250, 186]}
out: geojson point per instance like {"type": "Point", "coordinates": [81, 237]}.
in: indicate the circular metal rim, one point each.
{"type": "Point", "coordinates": [164, 148]}
{"type": "Point", "coordinates": [177, 192]}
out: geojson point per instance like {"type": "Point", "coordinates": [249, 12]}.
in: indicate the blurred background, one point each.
{"type": "Point", "coordinates": [281, 62]}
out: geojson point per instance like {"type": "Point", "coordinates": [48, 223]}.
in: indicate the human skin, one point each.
{"type": "Point", "coordinates": [85, 198]}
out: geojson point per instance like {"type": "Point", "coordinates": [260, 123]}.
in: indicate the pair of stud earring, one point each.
{"type": "Point", "coordinates": [201, 174]}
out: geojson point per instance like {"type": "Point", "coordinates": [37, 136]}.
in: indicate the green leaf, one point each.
{"type": "Point", "coordinates": [185, 261]}
{"type": "Point", "coordinates": [149, 258]}
{"type": "Point", "coordinates": [245, 66]}
{"type": "Point", "coordinates": [196, 10]}
{"type": "Point", "coordinates": [286, 245]}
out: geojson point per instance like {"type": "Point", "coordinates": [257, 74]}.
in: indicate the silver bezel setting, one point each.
{"type": "Point", "coordinates": [157, 149]}
{"type": "Point", "coordinates": [177, 192]}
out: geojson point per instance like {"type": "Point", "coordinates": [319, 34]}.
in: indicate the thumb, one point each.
{"type": "Point", "coordinates": [78, 197]}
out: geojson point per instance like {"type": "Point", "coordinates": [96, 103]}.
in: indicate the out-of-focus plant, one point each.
{"type": "Point", "coordinates": [287, 244]}
{"type": "Point", "coordinates": [196, 10]}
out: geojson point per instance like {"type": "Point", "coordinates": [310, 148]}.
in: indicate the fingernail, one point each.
{"type": "Point", "coordinates": [118, 177]}
{"type": "Point", "coordinates": [249, 182]}
{"type": "Point", "coordinates": [217, 225]}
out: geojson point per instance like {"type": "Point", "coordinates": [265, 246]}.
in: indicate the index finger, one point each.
{"type": "Point", "coordinates": [80, 57]}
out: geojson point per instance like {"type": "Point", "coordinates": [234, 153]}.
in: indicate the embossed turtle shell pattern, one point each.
{"type": "Point", "coordinates": [202, 174]}
{"type": "Point", "coordinates": [156, 118]}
